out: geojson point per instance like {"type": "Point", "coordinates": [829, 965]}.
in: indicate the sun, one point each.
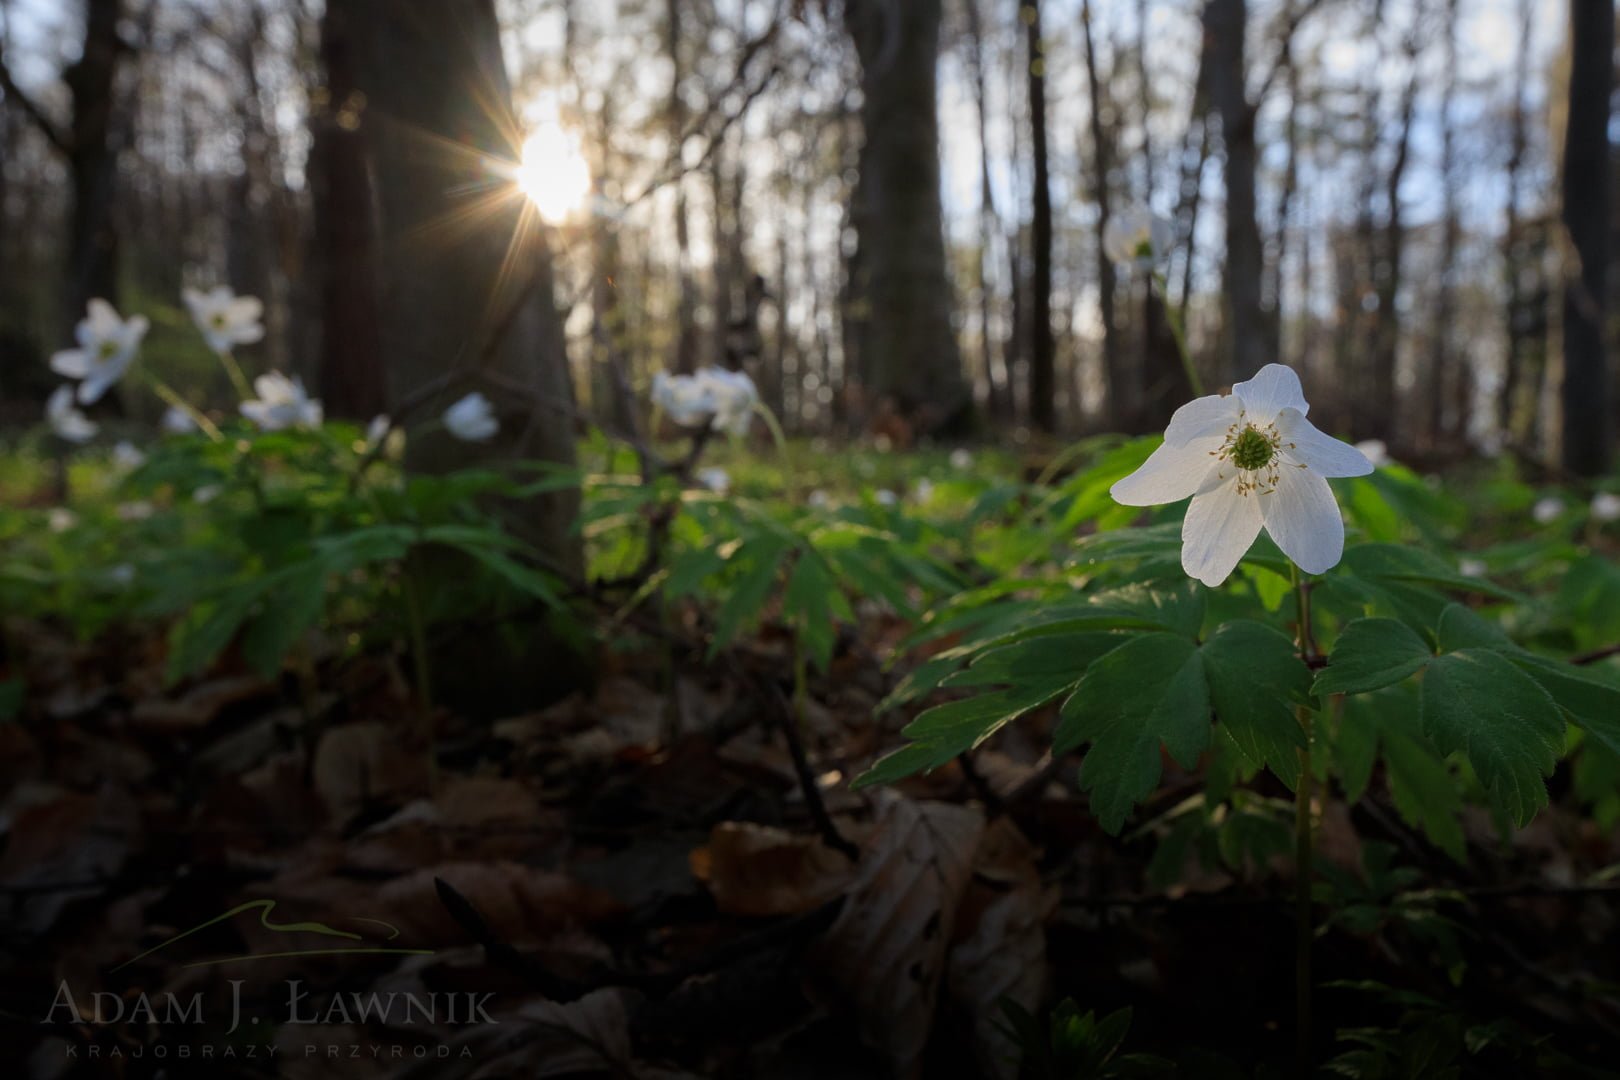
{"type": "Point", "coordinates": [553, 174]}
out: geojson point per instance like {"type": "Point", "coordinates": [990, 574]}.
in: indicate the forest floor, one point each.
{"type": "Point", "coordinates": [637, 880]}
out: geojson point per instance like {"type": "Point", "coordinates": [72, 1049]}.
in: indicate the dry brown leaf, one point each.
{"type": "Point", "coordinates": [359, 764]}
{"type": "Point", "coordinates": [197, 707]}
{"type": "Point", "coordinates": [887, 950]}
{"type": "Point", "coordinates": [61, 846]}
{"type": "Point", "coordinates": [518, 903]}
{"type": "Point", "coordinates": [761, 870]}
{"type": "Point", "coordinates": [1001, 951]}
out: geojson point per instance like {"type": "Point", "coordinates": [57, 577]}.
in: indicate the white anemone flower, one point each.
{"type": "Point", "coordinates": [225, 319]}
{"type": "Point", "coordinates": [378, 429]}
{"type": "Point", "coordinates": [206, 493]}
{"type": "Point", "coordinates": [733, 395]}
{"type": "Point", "coordinates": [126, 455]}
{"type": "Point", "coordinates": [961, 458]}
{"type": "Point", "coordinates": [1137, 237]}
{"type": "Point", "coordinates": [177, 421]}
{"type": "Point", "coordinates": [716, 480]}
{"type": "Point", "coordinates": [819, 500]}
{"type": "Point", "coordinates": [139, 510]}
{"type": "Point", "coordinates": [61, 519]}
{"type": "Point", "coordinates": [107, 346]}
{"type": "Point", "coordinates": [1250, 460]}
{"type": "Point", "coordinates": [885, 497]}
{"type": "Point", "coordinates": [682, 398]}
{"type": "Point", "coordinates": [1547, 510]}
{"type": "Point", "coordinates": [1474, 568]}
{"type": "Point", "coordinates": [282, 403]}
{"type": "Point", "coordinates": [472, 419]}
{"type": "Point", "coordinates": [1605, 507]}
{"type": "Point", "coordinates": [65, 418]}
{"type": "Point", "coordinates": [924, 491]}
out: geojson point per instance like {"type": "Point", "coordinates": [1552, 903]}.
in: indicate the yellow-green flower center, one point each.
{"type": "Point", "coordinates": [107, 350]}
{"type": "Point", "coordinates": [218, 320]}
{"type": "Point", "coordinates": [1251, 450]}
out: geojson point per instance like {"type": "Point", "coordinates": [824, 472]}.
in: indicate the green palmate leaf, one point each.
{"type": "Point", "coordinates": [1372, 653]}
{"type": "Point", "coordinates": [1147, 691]}
{"type": "Point", "coordinates": [1254, 676]}
{"type": "Point", "coordinates": [1426, 794]}
{"type": "Point", "coordinates": [299, 596]}
{"type": "Point", "coordinates": [762, 559]}
{"type": "Point", "coordinates": [1475, 698]}
{"type": "Point", "coordinates": [1477, 701]}
{"type": "Point", "coordinates": [1464, 628]}
{"type": "Point", "coordinates": [808, 604]}
{"type": "Point", "coordinates": [1355, 750]}
{"type": "Point", "coordinates": [1589, 698]}
{"type": "Point", "coordinates": [1041, 659]}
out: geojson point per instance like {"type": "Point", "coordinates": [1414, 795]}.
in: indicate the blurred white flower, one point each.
{"type": "Point", "coordinates": [225, 319]}
{"type": "Point", "coordinates": [1547, 510]}
{"type": "Point", "coordinates": [472, 419]}
{"type": "Point", "coordinates": [282, 403]}
{"type": "Point", "coordinates": [126, 455]}
{"type": "Point", "coordinates": [924, 490]}
{"type": "Point", "coordinates": [122, 575]}
{"type": "Point", "coordinates": [734, 396]}
{"type": "Point", "coordinates": [1471, 568]}
{"type": "Point", "coordinates": [107, 346]}
{"type": "Point", "coordinates": [1376, 452]}
{"type": "Point", "coordinates": [177, 421]}
{"type": "Point", "coordinates": [961, 458]}
{"type": "Point", "coordinates": [206, 493]}
{"type": "Point", "coordinates": [681, 398]}
{"type": "Point", "coordinates": [885, 497]}
{"type": "Point", "coordinates": [65, 418]}
{"type": "Point", "coordinates": [715, 479]}
{"type": "Point", "coordinates": [61, 519]}
{"type": "Point", "coordinates": [377, 430]}
{"type": "Point", "coordinates": [139, 510]}
{"type": "Point", "coordinates": [1137, 237]}
{"type": "Point", "coordinates": [819, 500]}
{"type": "Point", "coordinates": [714, 394]}
{"type": "Point", "coordinates": [1605, 507]}
{"type": "Point", "coordinates": [1250, 460]}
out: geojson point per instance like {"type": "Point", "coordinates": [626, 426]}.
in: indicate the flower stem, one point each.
{"type": "Point", "coordinates": [1305, 931]}
{"type": "Point", "coordinates": [169, 397]}
{"type": "Point", "coordinates": [238, 379]}
{"type": "Point", "coordinates": [1172, 316]}
{"type": "Point", "coordinates": [424, 681]}
{"type": "Point", "coordinates": [780, 438]}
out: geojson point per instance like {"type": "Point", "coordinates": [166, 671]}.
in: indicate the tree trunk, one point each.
{"type": "Point", "coordinates": [1445, 306]}
{"type": "Point", "coordinates": [1385, 421]}
{"type": "Point", "coordinates": [92, 265]}
{"type": "Point", "coordinates": [1244, 333]}
{"type": "Point", "coordinates": [352, 378]}
{"type": "Point", "coordinates": [900, 295]}
{"type": "Point", "coordinates": [1588, 430]}
{"type": "Point", "coordinates": [1043, 347]}
{"type": "Point", "coordinates": [464, 284]}
{"type": "Point", "coordinates": [1122, 378]}
{"type": "Point", "coordinates": [1513, 360]}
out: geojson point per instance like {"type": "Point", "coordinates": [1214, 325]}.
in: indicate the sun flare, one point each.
{"type": "Point", "coordinates": [553, 174]}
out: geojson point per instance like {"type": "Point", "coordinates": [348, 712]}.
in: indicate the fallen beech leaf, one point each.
{"type": "Point", "coordinates": [357, 765]}
{"type": "Point", "coordinates": [518, 903]}
{"type": "Point", "coordinates": [197, 707]}
{"type": "Point", "coordinates": [61, 847]}
{"type": "Point", "coordinates": [1001, 951]}
{"type": "Point", "coordinates": [761, 870]}
{"type": "Point", "coordinates": [887, 950]}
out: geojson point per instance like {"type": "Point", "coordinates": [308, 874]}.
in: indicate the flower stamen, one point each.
{"type": "Point", "coordinates": [1254, 451]}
